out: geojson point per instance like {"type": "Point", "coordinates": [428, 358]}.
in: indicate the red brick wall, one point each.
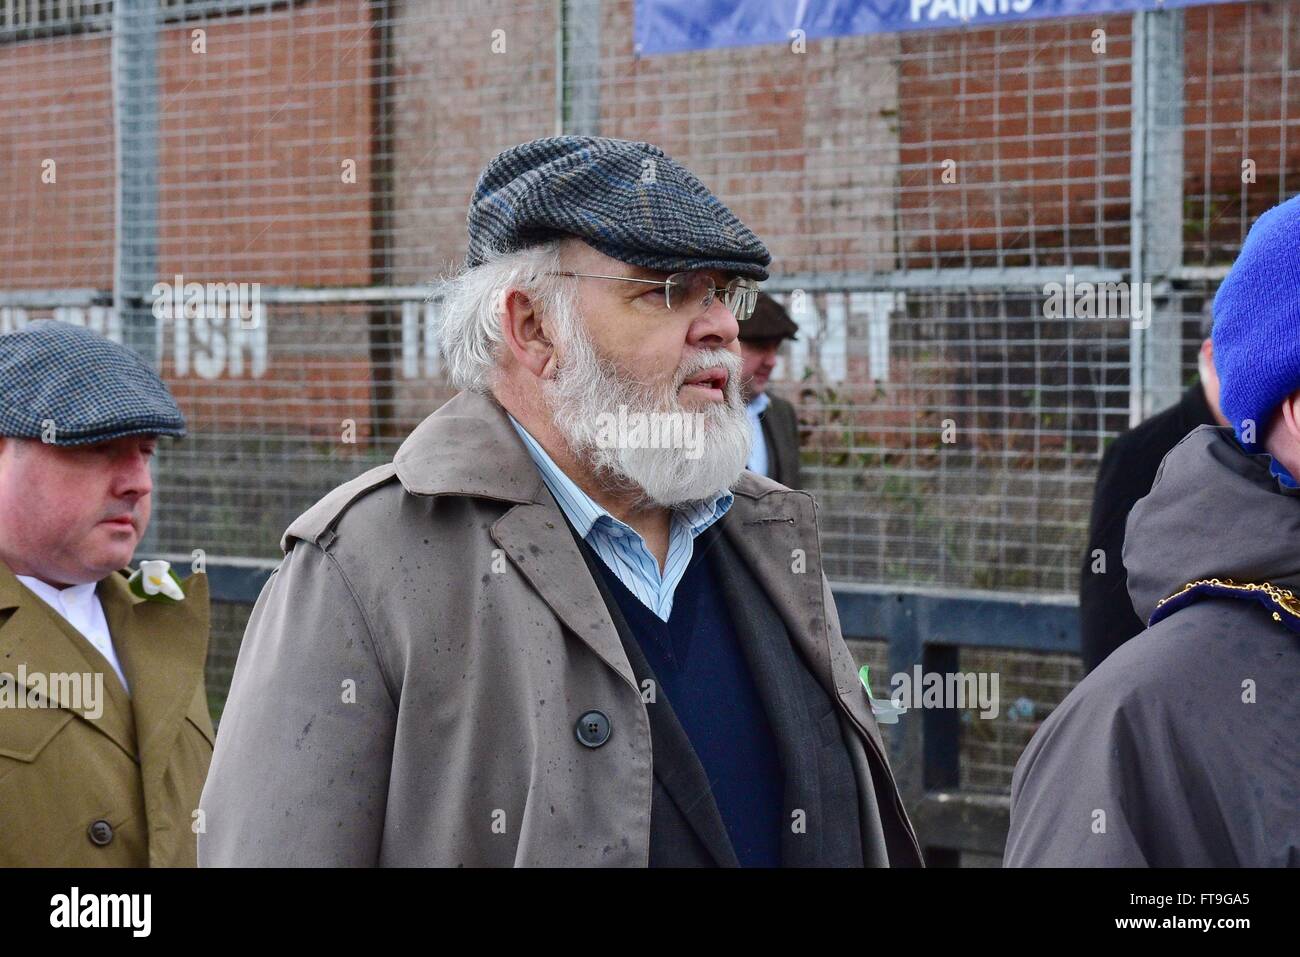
{"type": "Point", "coordinates": [1039, 128]}
{"type": "Point", "coordinates": [801, 145]}
{"type": "Point", "coordinates": [253, 132]}
{"type": "Point", "coordinates": [1238, 105]}
{"type": "Point", "coordinates": [56, 106]}
{"type": "Point", "coordinates": [832, 156]}
{"type": "Point", "coordinates": [252, 136]}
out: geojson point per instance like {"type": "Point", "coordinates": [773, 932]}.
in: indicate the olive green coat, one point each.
{"type": "Point", "coordinates": [131, 777]}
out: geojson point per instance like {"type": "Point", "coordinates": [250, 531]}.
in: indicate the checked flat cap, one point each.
{"type": "Point", "coordinates": [628, 200]}
{"type": "Point", "coordinates": [87, 388]}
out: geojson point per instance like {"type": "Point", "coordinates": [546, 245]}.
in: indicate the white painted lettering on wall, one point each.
{"type": "Point", "coordinates": [208, 347]}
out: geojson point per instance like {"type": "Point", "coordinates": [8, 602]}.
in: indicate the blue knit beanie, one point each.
{"type": "Point", "coordinates": [1257, 324]}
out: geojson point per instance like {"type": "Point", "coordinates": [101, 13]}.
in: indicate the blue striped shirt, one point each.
{"type": "Point", "coordinates": [619, 545]}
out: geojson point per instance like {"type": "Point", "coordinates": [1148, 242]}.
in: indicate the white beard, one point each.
{"type": "Point", "coordinates": [588, 389]}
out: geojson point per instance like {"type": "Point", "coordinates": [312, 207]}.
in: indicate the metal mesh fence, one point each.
{"type": "Point", "coordinates": [919, 193]}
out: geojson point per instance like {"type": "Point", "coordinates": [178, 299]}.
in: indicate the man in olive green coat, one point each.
{"type": "Point", "coordinates": [105, 737]}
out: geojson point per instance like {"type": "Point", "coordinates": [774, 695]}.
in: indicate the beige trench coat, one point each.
{"type": "Point", "coordinates": [412, 674]}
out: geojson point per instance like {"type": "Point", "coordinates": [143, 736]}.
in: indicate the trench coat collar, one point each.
{"type": "Point", "coordinates": [468, 447]}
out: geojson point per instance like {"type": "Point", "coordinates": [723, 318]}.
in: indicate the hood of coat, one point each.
{"type": "Point", "coordinates": [1213, 512]}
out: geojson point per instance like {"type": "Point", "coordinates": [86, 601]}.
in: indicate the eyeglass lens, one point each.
{"type": "Point", "coordinates": [690, 290]}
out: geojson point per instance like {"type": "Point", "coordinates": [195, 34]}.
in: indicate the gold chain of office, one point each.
{"type": "Point", "coordinates": [1282, 597]}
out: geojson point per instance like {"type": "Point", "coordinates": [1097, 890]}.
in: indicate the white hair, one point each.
{"type": "Point", "coordinates": [469, 324]}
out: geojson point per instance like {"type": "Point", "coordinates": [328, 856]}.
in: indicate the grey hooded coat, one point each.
{"type": "Point", "coordinates": [1182, 749]}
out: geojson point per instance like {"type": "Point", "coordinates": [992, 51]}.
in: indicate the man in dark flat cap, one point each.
{"type": "Point", "coordinates": [773, 423]}
{"type": "Point", "coordinates": [565, 626]}
{"type": "Point", "coordinates": [104, 730]}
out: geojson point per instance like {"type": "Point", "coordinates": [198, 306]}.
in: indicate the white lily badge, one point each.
{"type": "Point", "coordinates": [885, 712]}
{"type": "Point", "coordinates": [155, 581]}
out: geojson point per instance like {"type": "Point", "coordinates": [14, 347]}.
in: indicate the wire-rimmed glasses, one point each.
{"type": "Point", "coordinates": [692, 292]}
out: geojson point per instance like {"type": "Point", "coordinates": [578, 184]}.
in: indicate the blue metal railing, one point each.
{"type": "Point", "coordinates": [929, 628]}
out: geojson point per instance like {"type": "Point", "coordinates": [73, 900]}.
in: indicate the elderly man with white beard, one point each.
{"type": "Point", "coordinates": [541, 636]}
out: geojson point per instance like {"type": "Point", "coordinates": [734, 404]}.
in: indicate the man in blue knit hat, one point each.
{"type": "Point", "coordinates": [565, 626]}
{"type": "Point", "coordinates": [1257, 340]}
{"type": "Point", "coordinates": [1180, 748]}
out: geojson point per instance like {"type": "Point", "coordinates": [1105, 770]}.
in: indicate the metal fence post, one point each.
{"type": "Point", "coordinates": [578, 73]}
{"type": "Point", "coordinates": [1156, 214]}
{"type": "Point", "coordinates": [135, 134]}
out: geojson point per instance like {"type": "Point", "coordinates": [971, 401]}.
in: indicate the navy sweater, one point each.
{"type": "Point", "coordinates": [702, 672]}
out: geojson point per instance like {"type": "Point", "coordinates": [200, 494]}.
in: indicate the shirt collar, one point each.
{"type": "Point", "coordinates": [584, 513]}
{"type": "Point", "coordinates": [758, 405]}
{"type": "Point", "coordinates": [72, 595]}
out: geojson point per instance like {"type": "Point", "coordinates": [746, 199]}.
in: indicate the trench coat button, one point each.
{"type": "Point", "coordinates": [593, 729]}
{"type": "Point", "coordinates": [101, 832]}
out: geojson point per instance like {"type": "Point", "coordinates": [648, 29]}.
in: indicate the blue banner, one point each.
{"type": "Point", "coordinates": [676, 26]}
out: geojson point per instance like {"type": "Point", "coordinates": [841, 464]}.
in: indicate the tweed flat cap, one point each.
{"type": "Point", "coordinates": [628, 200]}
{"type": "Point", "coordinates": [87, 388]}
